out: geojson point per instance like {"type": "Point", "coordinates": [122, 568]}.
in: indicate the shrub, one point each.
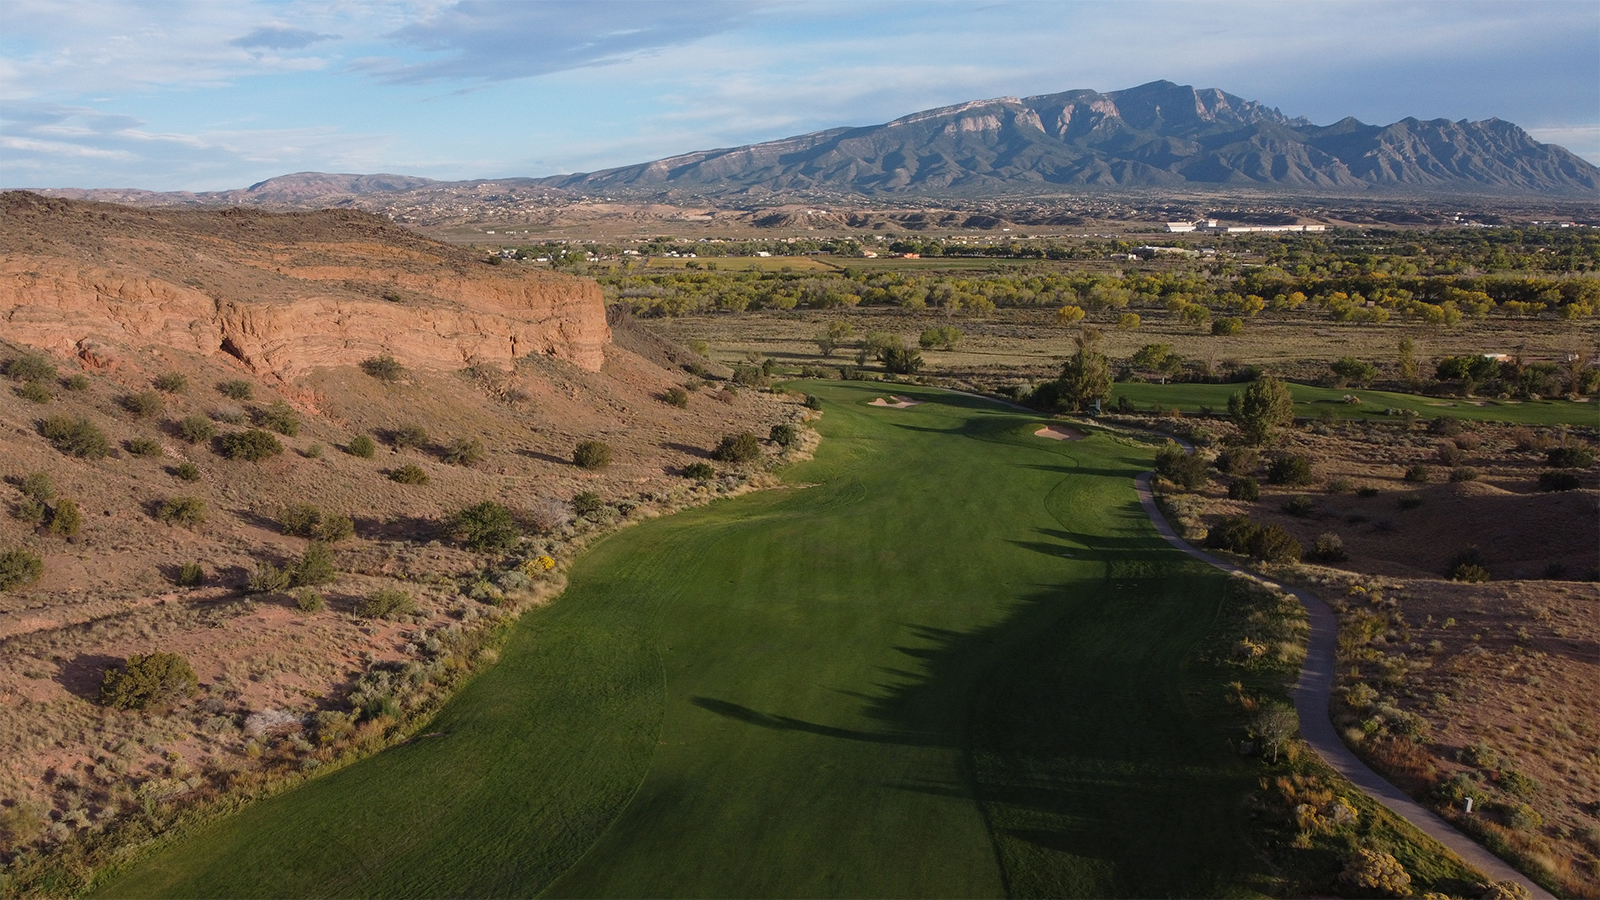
{"type": "Point", "coordinates": [1273, 544]}
{"type": "Point", "coordinates": [300, 519]}
{"type": "Point", "coordinates": [1409, 501]}
{"type": "Point", "coordinates": [1463, 473]}
{"type": "Point", "coordinates": [1187, 470]}
{"type": "Point", "coordinates": [738, 448]}
{"type": "Point", "coordinates": [1445, 426]}
{"type": "Point", "coordinates": [813, 401]}
{"type": "Point", "coordinates": [1340, 486]}
{"type": "Point", "coordinates": [253, 445]}
{"type": "Point", "coordinates": [143, 447]}
{"type": "Point", "coordinates": [65, 519]}
{"type": "Point", "coordinates": [31, 367]}
{"type": "Point", "coordinates": [1245, 488]}
{"type": "Point", "coordinates": [784, 435]}
{"type": "Point", "coordinates": [308, 601]}
{"type": "Point", "coordinates": [1329, 548]}
{"type": "Point", "coordinates": [676, 397]}
{"type": "Point", "coordinates": [1374, 871]}
{"type": "Point", "coordinates": [486, 528]}
{"type": "Point", "coordinates": [190, 575]}
{"type": "Point", "coordinates": [314, 451]}
{"type": "Point", "coordinates": [944, 337]}
{"type": "Point", "coordinates": [1261, 409]}
{"type": "Point", "coordinates": [699, 471]}
{"type": "Point", "coordinates": [1234, 533]}
{"type": "Point", "coordinates": [1290, 469]}
{"type": "Point", "coordinates": [1366, 490]}
{"type": "Point", "coordinates": [386, 603]}
{"type": "Point", "coordinates": [901, 360]}
{"type": "Point", "coordinates": [187, 471]}
{"type": "Point", "coordinates": [1522, 817]}
{"type": "Point", "coordinates": [315, 566]}
{"type": "Point", "coordinates": [75, 437]}
{"type": "Point", "coordinates": [19, 567]}
{"type": "Point", "coordinates": [1468, 566]}
{"type": "Point", "coordinates": [410, 473]}
{"type": "Point", "coordinates": [1449, 454]}
{"type": "Point", "coordinates": [1357, 371]}
{"type": "Point", "coordinates": [412, 435]}
{"type": "Point", "coordinates": [361, 446]}
{"type": "Point", "coordinates": [38, 486]}
{"type": "Point", "coordinates": [29, 511]}
{"type": "Point", "coordinates": [587, 504]}
{"type": "Point", "coordinates": [383, 367]}
{"type": "Point", "coordinates": [1570, 457]}
{"type": "Point", "coordinates": [1227, 325]}
{"type": "Point", "coordinates": [1419, 473]}
{"type": "Point", "coordinates": [1559, 481]}
{"type": "Point", "coordinates": [196, 429]}
{"type": "Point", "coordinates": [189, 512]}
{"type": "Point", "coordinates": [237, 389]}
{"type": "Point", "coordinates": [267, 578]}
{"type": "Point", "coordinates": [1299, 505]}
{"type": "Point", "coordinates": [147, 680]}
{"type": "Point", "coordinates": [34, 392]}
{"type": "Point", "coordinates": [233, 415]}
{"type": "Point", "coordinates": [464, 452]}
{"type": "Point", "coordinates": [172, 382]}
{"type": "Point", "coordinates": [277, 416]}
{"type": "Point", "coordinates": [78, 382]}
{"type": "Point", "coordinates": [143, 405]}
{"type": "Point", "coordinates": [1238, 460]}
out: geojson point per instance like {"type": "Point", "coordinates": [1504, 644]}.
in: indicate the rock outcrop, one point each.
{"type": "Point", "coordinates": [284, 294]}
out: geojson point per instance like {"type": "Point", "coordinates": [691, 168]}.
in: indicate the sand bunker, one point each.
{"type": "Point", "coordinates": [895, 402]}
{"type": "Point", "coordinates": [1059, 433]}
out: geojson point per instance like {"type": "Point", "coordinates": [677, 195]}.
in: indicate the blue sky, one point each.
{"type": "Point", "coordinates": [178, 95]}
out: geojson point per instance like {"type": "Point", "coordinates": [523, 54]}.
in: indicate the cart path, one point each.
{"type": "Point", "coordinates": [1312, 698]}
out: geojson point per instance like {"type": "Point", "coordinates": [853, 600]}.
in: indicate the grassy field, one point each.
{"type": "Point", "coordinates": [1313, 401]}
{"type": "Point", "coordinates": [950, 659]}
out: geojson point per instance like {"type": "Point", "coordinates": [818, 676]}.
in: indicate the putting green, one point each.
{"type": "Point", "coordinates": [947, 660]}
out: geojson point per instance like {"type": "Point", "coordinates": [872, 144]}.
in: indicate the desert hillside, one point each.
{"type": "Point", "coordinates": [388, 383]}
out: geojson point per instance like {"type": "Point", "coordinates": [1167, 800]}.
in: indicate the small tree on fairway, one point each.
{"type": "Point", "coordinates": [1086, 375]}
{"type": "Point", "coordinates": [1261, 409]}
{"type": "Point", "coordinates": [1275, 725]}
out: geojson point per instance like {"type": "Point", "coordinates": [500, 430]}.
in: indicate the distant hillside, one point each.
{"type": "Point", "coordinates": [1156, 135]}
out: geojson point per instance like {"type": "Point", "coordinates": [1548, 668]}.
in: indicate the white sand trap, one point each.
{"type": "Point", "coordinates": [1059, 433]}
{"type": "Point", "coordinates": [894, 402]}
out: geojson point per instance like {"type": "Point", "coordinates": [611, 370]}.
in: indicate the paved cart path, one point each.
{"type": "Point", "coordinates": [1312, 697]}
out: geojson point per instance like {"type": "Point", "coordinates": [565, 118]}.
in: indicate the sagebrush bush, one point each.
{"type": "Point", "coordinates": [34, 392]}
{"type": "Point", "coordinates": [37, 486]}
{"type": "Point", "coordinates": [1375, 872]}
{"type": "Point", "coordinates": [587, 504]}
{"type": "Point", "coordinates": [1238, 460]}
{"type": "Point", "coordinates": [147, 680]}
{"type": "Point", "coordinates": [1559, 481]}
{"type": "Point", "coordinates": [278, 416]}
{"type": "Point", "coordinates": [386, 603]}
{"type": "Point", "coordinates": [1419, 473]}
{"type": "Point", "coordinates": [410, 473]}
{"type": "Point", "coordinates": [361, 446]}
{"type": "Point", "coordinates": [143, 447]}
{"type": "Point", "coordinates": [189, 512]}
{"type": "Point", "coordinates": [310, 521]}
{"type": "Point", "coordinates": [409, 436]}
{"type": "Point", "coordinates": [1246, 488]}
{"type": "Point", "coordinates": [1409, 501]}
{"type": "Point", "coordinates": [315, 566]}
{"type": "Point", "coordinates": [190, 575]}
{"type": "Point", "coordinates": [77, 382]}
{"type": "Point", "coordinates": [1572, 456]}
{"type": "Point", "coordinates": [1299, 505]}
{"type": "Point", "coordinates": [464, 452]}
{"type": "Point", "coordinates": [196, 429]}
{"type": "Point", "coordinates": [267, 578]}
{"type": "Point", "coordinates": [1186, 470]}
{"type": "Point", "coordinates": [1340, 486]}
{"type": "Point", "coordinates": [30, 511]}
{"type": "Point", "coordinates": [813, 401]}
{"type": "Point", "coordinates": [308, 601]}
{"type": "Point", "coordinates": [1449, 455]}
{"type": "Point", "coordinates": [486, 527]}
{"type": "Point", "coordinates": [592, 455]}
{"type": "Point", "coordinates": [1463, 473]}
{"type": "Point", "coordinates": [143, 405]}
{"type": "Point", "coordinates": [75, 437]}
{"type": "Point", "coordinates": [738, 448]}
{"type": "Point", "coordinates": [383, 367]}
{"type": "Point", "coordinates": [65, 519]}
{"type": "Point", "coordinates": [784, 435]}
{"type": "Point", "coordinates": [19, 567]}
{"type": "Point", "coordinates": [1329, 548]}
{"type": "Point", "coordinates": [252, 445]}
{"type": "Point", "coordinates": [33, 367]}
{"type": "Point", "coordinates": [187, 471]}
{"type": "Point", "coordinates": [237, 389]}
{"type": "Point", "coordinates": [699, 471]}
{"type": "Point", "coordinates": [1290, 469]}
{"type": "Point", "coordinates": [172, 382]}
{"type": "Point", "coordinates": [676, 397]}
{"type": "Point", "coordinates": [1445, 426]}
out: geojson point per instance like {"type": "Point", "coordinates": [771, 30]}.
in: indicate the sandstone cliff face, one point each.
{"type": "Point", "coordinates": [284, 294]}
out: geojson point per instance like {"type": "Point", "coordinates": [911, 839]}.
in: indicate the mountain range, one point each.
{"type": "Point", "coordinates": [1156, 136]}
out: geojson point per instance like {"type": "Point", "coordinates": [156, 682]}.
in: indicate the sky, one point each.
{"type": "Point", "coordinates": [178, 95]}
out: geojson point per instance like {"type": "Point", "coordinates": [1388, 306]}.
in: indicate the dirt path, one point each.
{"type": "Point", "coordinates": [1312, 697]}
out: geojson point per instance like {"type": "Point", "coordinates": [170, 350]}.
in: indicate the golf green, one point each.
{"type": "Point", "coordinates": [946, 659]}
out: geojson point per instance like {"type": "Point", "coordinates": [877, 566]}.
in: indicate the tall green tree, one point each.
{"type": "Point", "coordinates": [1261, 409]}
{"type": "Point", "coordinates": [1086, 375]}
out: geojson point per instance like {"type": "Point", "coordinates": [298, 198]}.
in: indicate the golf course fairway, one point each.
{"type": "Point", "coordinates": [948, 658]}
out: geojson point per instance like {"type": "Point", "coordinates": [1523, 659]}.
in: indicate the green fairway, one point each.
{"type": "Point", "coordinates": [1310, 401]}
{"type": "Point", "coordinates": [948, 659]}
